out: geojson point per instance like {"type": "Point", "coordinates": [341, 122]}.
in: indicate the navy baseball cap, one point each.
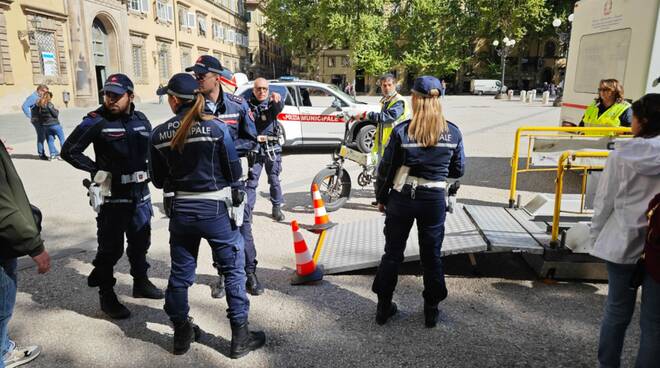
{"type": "Point", "coordinates": [425, 84]}
{"type": "Point", "coordinates": [118, 84]}
{"type": "Point", "coordinates": [205, 64]}
{"type": "Point", "coordinates": [182, 85]}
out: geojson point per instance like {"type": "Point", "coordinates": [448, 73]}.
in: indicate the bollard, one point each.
{"type": "Point", "coordinates": [530, 96]}
{"type": "Point", "coordinates": [523, 95]}
{"type": "Point", "coordinates": [546, 97]}
{"type": "Point", "coordinates": [510, 94]}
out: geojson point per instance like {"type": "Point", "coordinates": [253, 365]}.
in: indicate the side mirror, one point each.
{"type": "Point", "coordinates": [336, 104]}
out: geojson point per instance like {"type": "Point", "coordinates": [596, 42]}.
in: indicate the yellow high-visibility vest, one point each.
{"type": "Point", "coordinates": [609, 119]}
{"type": "Point", "coordinates": [387, 129]}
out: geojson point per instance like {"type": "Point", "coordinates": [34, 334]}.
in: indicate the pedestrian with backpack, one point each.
{"type": "Point", "coordinates": [630, 180]}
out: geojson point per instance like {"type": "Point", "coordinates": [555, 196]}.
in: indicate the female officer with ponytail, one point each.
{"type": "Point", "coordinates": [193, 156]}
{"type": "Point", "coordinates": [421, 154]}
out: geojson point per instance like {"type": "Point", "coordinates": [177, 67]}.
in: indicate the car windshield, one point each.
{"type": "Point", "coordinates": [341, 93]}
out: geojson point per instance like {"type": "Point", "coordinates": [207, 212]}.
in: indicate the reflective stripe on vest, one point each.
{"type": "Point", "coordinates": [609, 118]}
{"type": "Point", "coordinates": [387, 130]}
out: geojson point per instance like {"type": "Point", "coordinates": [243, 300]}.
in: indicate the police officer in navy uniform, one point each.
{"type": "Point", "coordinates": [120, 137]}
{"type": "Point", "coordinates": [421, 154]}
{"type": "Point", "coordinates": [266, 106]}
{"type": "Point", "coordinates": [235, 113]}
{"type": "Point", "coordinates": [193, 154]}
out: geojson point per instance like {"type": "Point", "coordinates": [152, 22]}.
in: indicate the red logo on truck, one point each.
{"type": "Point", "coordinates": [310, 118]}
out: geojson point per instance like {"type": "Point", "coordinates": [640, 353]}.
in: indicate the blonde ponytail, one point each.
{"type": "Point", "coordinates": [428, 122]}
{"type": "Point", "coordinates": [195, 114]}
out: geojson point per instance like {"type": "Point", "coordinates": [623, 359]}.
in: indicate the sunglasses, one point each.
{"type": "Point", "coordinates": [201, 77]}
{"type": "Point", "coordinates": [605, 90]}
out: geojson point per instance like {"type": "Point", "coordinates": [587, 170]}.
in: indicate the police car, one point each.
{"type": "Point", "coordinates": [312, 114]}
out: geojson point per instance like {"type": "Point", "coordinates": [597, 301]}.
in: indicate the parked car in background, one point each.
{"type": "Point", "coordinates": [312, 114]}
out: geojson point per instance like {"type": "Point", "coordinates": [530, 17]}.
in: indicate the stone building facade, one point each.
{"type": "Point", "coordinates": [266, 57]}
{"type": "Point", "coordinates": [72, 45]}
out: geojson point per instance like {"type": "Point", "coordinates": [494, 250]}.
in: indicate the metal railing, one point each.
{"type": "Point", "coordinates": [564, 165]}
{"type": "Point", "coordinates": [530, 133]}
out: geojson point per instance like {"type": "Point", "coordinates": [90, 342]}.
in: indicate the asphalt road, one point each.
{"type": "Point", "coordinates": [506, 317]}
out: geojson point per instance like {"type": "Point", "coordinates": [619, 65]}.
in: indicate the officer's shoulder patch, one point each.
{"type": "Point", "coordinates": [140, 115]}
{"type": "Point", "coordinates": [452, 124]}
{"type": "Point", "coordinates": [236, 98]}
{"type": "Point", "coordinates": [92, 118]}
{"type": "Point", "coordinates": [401, 126]}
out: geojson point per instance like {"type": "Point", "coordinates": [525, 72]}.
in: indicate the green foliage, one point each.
{"type": "Point", "coordinates": [424, 36]}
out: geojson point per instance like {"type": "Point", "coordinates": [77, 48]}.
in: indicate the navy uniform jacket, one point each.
{"type": "Point", "coordinates": [235, 112]}
{"type": "Point", "coordinates": [121, 147]}
{"type": "Point", "coordinates": [265, 117]}
{"type": "Point", "coordinates": [437, 163]}
{"type": "Point", "coordinates": [208, 163]}
{"type": "Point", "coordinates": [387, 116]}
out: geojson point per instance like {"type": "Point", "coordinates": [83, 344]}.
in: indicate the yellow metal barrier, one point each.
{"type": "Point", "coordinates": [608, 132]}
{"type": "Point", "coordinates": [564, 163]}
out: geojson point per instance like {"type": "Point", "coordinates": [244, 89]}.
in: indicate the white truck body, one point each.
{"type": "Point", "coordinates": [485, 86]}
{"type": "Point", "coordinates": [617, 39]}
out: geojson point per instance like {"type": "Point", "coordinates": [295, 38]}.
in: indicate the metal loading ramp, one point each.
{"type": "Point", "coordinates": [470, 229]}
{"type": "Point", "coordinates": [503, 231]}
{"type": "Point", "coordinates": [359, 245]}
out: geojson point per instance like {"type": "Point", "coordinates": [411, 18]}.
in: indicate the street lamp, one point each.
{"type": "Point", "coordinates": [503, 52]}
{"type": "Point", "coordinates": [564, 37]}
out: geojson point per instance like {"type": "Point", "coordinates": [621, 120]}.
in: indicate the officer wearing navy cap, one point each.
{"type": "Point", "coordinates": [235, 113]}
{"type": "Point", "coordinates": [120, 137]}
{"type": "Point", "coordinates": [193, 155]}
{"type": "Point", "coordinates": [421, 154]}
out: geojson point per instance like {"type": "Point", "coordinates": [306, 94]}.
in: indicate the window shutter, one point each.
{"type": "Point", "coordinates": [170, 12]}
{"type": "Point", "coordinates": [191, 20]}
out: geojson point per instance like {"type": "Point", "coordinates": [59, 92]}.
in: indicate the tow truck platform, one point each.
{"type": "Point", "coordinates": [469, 229]}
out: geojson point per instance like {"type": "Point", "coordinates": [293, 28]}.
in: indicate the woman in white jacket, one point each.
{"type": "Point", "coordinates": [630, 180]}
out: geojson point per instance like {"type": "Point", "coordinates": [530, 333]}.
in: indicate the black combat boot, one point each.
{"type": "Point", "coordinates": [431, 313]}
{"type": "Point", "coordinates": [143, 288]}
{"type": "Point", "coordinates": [111, 306]}
{"type": "Point", "coordinates": [218, 289]}
{"type": "Point", "coordinates": [244, 341]}
{"type": "Point", "coordinates": [253, 285]}
{"type": "Point", "coordinates": [277, 213]}
{"type": "Point", "coordinates": [384, 309]}
{"type": "Point", "coordinates": [185, 332]}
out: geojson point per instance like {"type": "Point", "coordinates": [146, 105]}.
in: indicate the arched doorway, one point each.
{"type": "Point", "coordinates": [104, 51]}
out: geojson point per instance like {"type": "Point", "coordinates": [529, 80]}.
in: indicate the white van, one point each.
{"type": "Point", "coordinates": [617, 39]}
{"type": "Point", "coordinates": [485, 86]}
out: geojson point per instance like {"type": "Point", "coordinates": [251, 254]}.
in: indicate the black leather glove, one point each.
{"type": "Point", "coordinates": [168, 201]}
{"type": "Point", "coordinates": [251, 158]}
{"type": "Point", "coordinates": [237, 197]}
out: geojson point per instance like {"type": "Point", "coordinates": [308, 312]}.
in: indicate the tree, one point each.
{"type": "Point", "coordinates": [424, 36]}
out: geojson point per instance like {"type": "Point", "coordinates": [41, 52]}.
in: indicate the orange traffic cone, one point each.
{"type": "Point", "coordinates": [306, 269]}
{"type": "Point", "coordinates": [321, 218]}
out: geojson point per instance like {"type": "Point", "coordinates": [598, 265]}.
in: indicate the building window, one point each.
{"type": "Point", "coordinates": [218, 31]}
{"type": "Point", "coordinates": [331, 61]}
{"type": "Point", "coordinates": [186, 18]}
{"type": "Point", "coordinates": [186, 57]}
{"type": "Point", "coordinates": [47, 52]}
{"type": "Point", "coordinates": [138, 6]}
{"type": "Point", "coordinates": [201, 25]}
{"type": "Point", "coordinates": [231, 34]}
{"type": "Point", "coordinates": [137, 54]}
{"type": "Point", "coordinates": [5, 61]}
{"type": "Point", "coordinates": [550, 49]}
{"type": "Point", "coordinates": [345, 61]}
{"type": "Point", "coordinates": [164, 66]}
{"type": "Point", "coordinates": [164, 11]}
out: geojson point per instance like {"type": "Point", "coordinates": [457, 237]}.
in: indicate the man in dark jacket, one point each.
{"type": "Point", "coordinates": [120, 137]}
{"type": "Point", "coordinates": [19, 236]}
